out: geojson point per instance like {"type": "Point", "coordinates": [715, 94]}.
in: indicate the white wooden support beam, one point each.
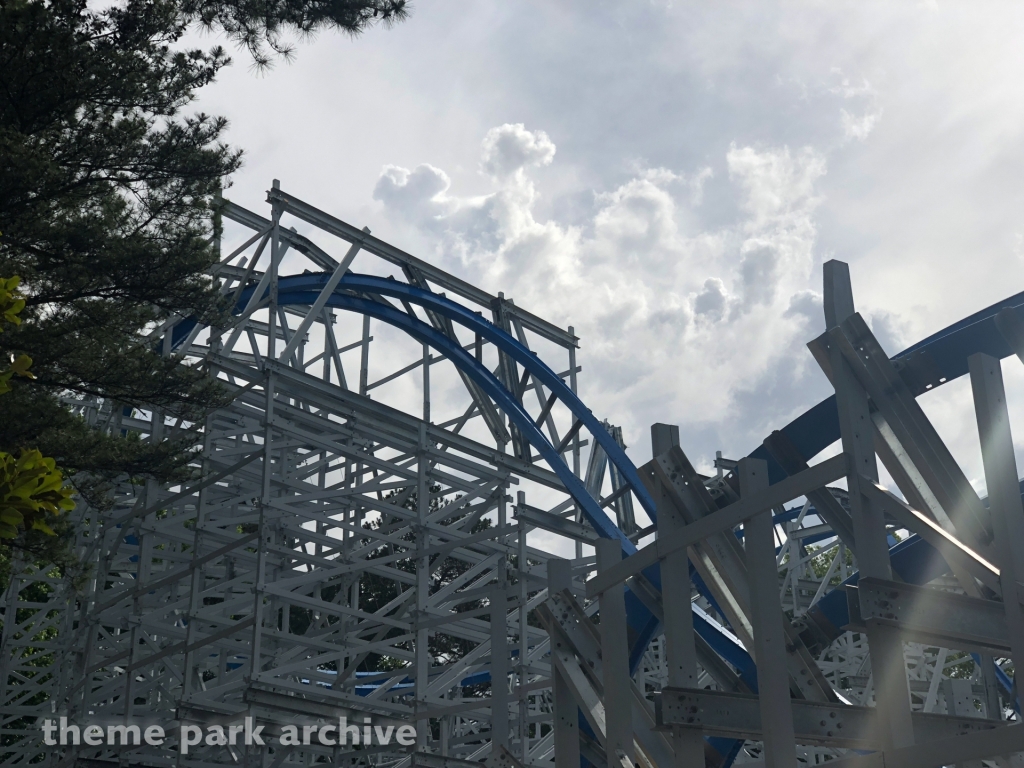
{"type": "Point", "coordinates": [932, 616]}
{"type": "Point", "coordinates": [523, 667]}
{"type": "Point", "coordinates": [723, 520]}
{"type": "Point", "coordinates": [566, 714]}
{"type": "Point", "coordinates": [942, 752]}
{"type": "Point", "coordinates": [766, 617]}
{"type": "Point", "coordinates": [563, 526]}
{"type": "Point", "coordinates": [913, 441]}
{"type": "Point", "coordinates": [581, 688]}
{"type": "Point", "coordinates": [618, 699]}
{"type": "Point", "coordinates": [738, 716]}
{"type": "Point", "coordinates": [680, 651]}
{"type": "Point", "coordinates": [907, 444]}
{"type": "Point", "coordinates": [892, 692]}
{"type": "Point", "coordinates": [1003, 488]}
{"type": "Point", "coordinates": [499, 669]}
{"type": "Point", "coordinates": [572, 630]}
{"type": "Point", "coordinates": [422, 662]}
{"type": "Point", "coordinates": [954, 551]}
{"type": "Point", "coordinates": [277, 249]}
{"type": "Point", "coordinates": [828, 508]}
{"type": "Point", "coordinates": [720, 559]}
{"type": "Point", "coordinates": [500, 757]}
{"type": "Point", "coordinates": [838, 293]}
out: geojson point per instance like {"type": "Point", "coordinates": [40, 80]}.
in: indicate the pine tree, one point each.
{"type": "Point", "coordinates": [107, 194]}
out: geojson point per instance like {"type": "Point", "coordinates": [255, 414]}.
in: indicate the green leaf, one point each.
{"type": "Point", "coordinates": [21, 366]}
{"type": "Point", "coordinates": [39, 525]}
{"type": "Point", "coordinates": [12, 516]}
{"type": "Point", "coordinates": [32, 490]}
{"type": "Point", "coordinates": [11, 303]}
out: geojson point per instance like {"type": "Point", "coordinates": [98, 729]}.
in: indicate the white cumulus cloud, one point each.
{"type": "Point", "coordinates": [676, 321]}
{"type": "Point", "coordinates": [510, 148]}
{"type": "Point", "coordinates": [859, 126]}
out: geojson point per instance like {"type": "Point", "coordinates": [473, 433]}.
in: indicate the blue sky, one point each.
{"type": "Point", "coordinates": [669, 177]}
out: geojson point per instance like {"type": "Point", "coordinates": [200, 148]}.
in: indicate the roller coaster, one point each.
{"type": "Point", "coordinates": [407, 515]}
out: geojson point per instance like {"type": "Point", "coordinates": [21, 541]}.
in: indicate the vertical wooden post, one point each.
{"type": "Point", "coordinates": [1003, 490]}
{"type": "Point", "coordinates": [680, 651]}
{"type": "Point", "coordinates": [888, 668]}
{"type": "Point", "coordinates": [522, 673]}
{"type": "Point", "coordinates": [499, 670]}
{"type": "Point", "coordinates": [618, 696]}
{"type": "Point", "coordinates": [422, 646]}
{"type": "Point", "coordinates": [566, 719]}
{"type": "Point", "coordinates": [766, 618]}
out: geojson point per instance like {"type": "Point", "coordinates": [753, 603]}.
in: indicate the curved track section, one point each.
{"type": "Point", "coordinates": [931, 363]}
{"type": "Point", "coordinates": [351, 548]}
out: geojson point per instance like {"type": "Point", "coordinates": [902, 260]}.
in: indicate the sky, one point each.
{"type": "Point", "coordinates": [669, 177]}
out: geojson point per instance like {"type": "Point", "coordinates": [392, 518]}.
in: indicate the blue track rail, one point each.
{"type": "Point", "coordinates": [938, 359]}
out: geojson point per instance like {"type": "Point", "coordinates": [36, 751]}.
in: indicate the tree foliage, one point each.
{"type": "Point", "coordinates": [107, 194]}
{"type": "Point", "coordinates": [108, 189]}
{"type": "Point", "coordinates": [33, 494]}
{"type": "Point", "coordinates": [31, 491]}
{"type": "Point", "coordinates": [261, 25]}
{"type": "Point", "coordinates": [11, 304]}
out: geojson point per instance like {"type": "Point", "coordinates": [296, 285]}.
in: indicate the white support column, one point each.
{"type": "Point", "coordinates": [892, 691]}
{"type": "Point", "coordinates": [364, 357]}
{"type": "Point", "coordinates": [566, 714]}
{"type": "Point", "coordinates": [522, 673]}
{"type": "Point", "coordinates": [680, 651]}
{"type": "Point", "coordinates": [576, 465]}
{"type": "Point", "coordinates": [1003, 490]}
{"type": "Point", "coordinates": [265, 533]}
{"type": "Point", "coordinates": [618, 695]}
{"type": "Point", "coordinates": [499, 669]}
{"type": "Point", "coordinates": [276, 252]}
{"type": "Point", "coordinates": [422, 590]}
{"type": "Point", "coordinates": [426, 383]}
{"type": "Point", "coordinates": [766, 617]}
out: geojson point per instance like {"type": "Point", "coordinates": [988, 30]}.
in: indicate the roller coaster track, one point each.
{"type": "Point", "coordinates": [242, 593]}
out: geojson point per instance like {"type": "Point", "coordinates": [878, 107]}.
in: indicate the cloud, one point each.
{"type": "Point", "coordinates": [859, 127]}
{"type": "Point", "coordinates": [808, 305]}
{"type": "Point", "coordinates": [696, 184]}
{"type": "Point", "coordinates": [711, 301]}
{"type": "Point", "coordinates": [777, 192]}
{"type": "Point", "coordinates": [510, 148]}
{"type": "Point", "coordinates": [637, 219]}
{"type": "Point", "coordinates": [677, 321]}
{"type": "Point", "coordinates": [774, 182]}
{"type": "Point", "coordinates": [889, 328]}
{"type": "Point", "coordinates": [921, 195]}
{"type": "Point", "coordinates": [849, 90]}
{"type": "Point", "coordinates": [420, 193]}
{"type": "Point", "coordinates": [759, 270]}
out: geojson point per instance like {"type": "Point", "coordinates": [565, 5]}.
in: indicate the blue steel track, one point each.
{"type": "Point", "coordinates": [934, 361]}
